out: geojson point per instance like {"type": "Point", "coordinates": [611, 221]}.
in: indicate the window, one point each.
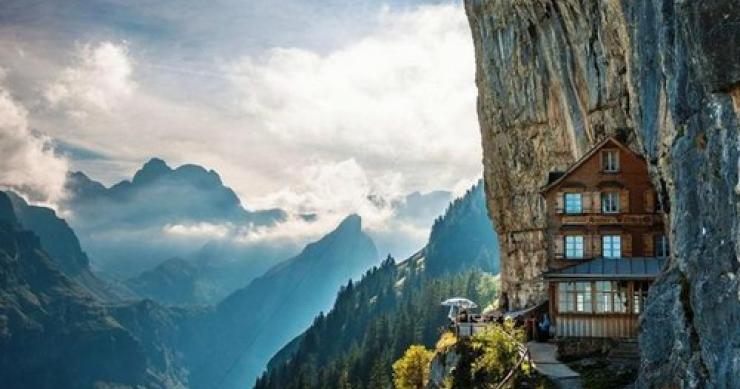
{"type": "Point", "coordinates": [611, 246]}
{"type": "Point", "coordinates": [610, 202]}
{"type": "Point", "coordinates": [583, 296]}
{"type": "Point", "coordinates": [604, 301]}
{"type": "Point", "coordinates": [610, 161]}
{"type": "Point", "coordinates": [661, 246]}
{"type": "Point", "coordinates": [639, 297]}
{"type": "Point", "coordinates": [611, 297]}
{"type": "Point", "coordinates": [574, 297]}
{"type": "Point", "coordinates": [574, 246]}
{"type": "Point", "coordinates": [573, 203]}
{"type": "Point", "coordinates": [565, 297]}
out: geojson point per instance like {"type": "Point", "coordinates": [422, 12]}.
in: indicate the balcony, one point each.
{"type": "Point", "coordinates": [645, 219]}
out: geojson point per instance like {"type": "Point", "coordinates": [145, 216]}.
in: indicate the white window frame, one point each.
{"type": "Point", "coordinates": [610, 202]}
{"type": "Point", "coordinates": [583, 303]}
{"type": "Point", "coordinates": [610, 161]}
{"type": "Point", "coordinates": [611, 246]}
{"type": "Point", "coordinates": [574, 246]}
{"type": "Point", "coordinates": [567, 203]}
{"type": "Point", "coordinates": [604, 301]}
{"type": "Point", "coordinates": [639, 297]}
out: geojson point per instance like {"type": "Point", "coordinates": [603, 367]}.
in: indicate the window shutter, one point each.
{"type": "Point", "coordinates": [560, 203]}
{"type": "Point", "coordinates": [626, 245]}
{"type": "Point", "coordinates": [624, 201]}
{"type": "Point", "coordinates": [596, 246]}
{"type": "Point", "coordinates": [649, 201]}
{"type": "Point", "coordinates": [603, 160]}
{"type": "Point", "coordinates": [587, 202]}
{"type": "Point", "coordinates": [596, 201]}
{"type": "Point", "coordinates": [558, 244]}
{"type": "Point", "coordinates": [648, 249]}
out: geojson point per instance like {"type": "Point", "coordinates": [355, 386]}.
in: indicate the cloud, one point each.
{"type": "Point", "coordinates": [99, 80]}
{"type": "Point", "coordinates": [405, 93]}
{"type": "Point", "coordinates": [206, 231]}
{"type": "Point", "coordinates": [29, 164]}
{"type": "Point", "coordinates": [312, 125]}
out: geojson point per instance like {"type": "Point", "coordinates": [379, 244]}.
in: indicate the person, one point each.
{"type": "Point", "coordinates": [544, 327]}
{"type": "Point", "coordinates": [463, 315]}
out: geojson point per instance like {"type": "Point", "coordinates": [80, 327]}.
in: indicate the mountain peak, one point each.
{"type": "Point", "coordinates": [352, 222]}
{"type": "Point", "coordinates": [151, 170]}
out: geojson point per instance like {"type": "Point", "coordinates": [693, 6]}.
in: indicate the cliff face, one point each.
{"type": "Point", "coordinates": [555, 77]}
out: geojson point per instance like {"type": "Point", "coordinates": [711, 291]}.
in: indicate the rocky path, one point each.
{"type": "Point", "coordinates": [544, 360]}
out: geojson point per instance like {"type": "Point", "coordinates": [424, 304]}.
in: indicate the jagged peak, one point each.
{"type": "Point", "coordinates": [151, 170]}
{"type": "Point", "coordinates": [352, 222]}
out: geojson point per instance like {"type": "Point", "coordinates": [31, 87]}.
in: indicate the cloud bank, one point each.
{"type": "Point", "coordinates": [29, 164]}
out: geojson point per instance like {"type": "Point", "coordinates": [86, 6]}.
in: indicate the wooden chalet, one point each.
{"type": "Point", "coordinates": [607, 243]}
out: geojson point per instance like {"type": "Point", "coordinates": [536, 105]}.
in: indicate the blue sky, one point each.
{"type": "Point", "coordinates": [305, 105]}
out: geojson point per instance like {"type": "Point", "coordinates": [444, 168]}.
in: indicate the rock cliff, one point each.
{"type": "Point", "coordinates": [555, 77]}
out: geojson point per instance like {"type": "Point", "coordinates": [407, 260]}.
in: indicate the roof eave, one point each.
{"type": "Point", "coordinates": [583, 159]}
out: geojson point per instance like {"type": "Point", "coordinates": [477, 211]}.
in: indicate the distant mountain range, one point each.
{"type": "Point", "coordinates": [125, 227]}
{"type": "Point", "coordinates": [137, 230]}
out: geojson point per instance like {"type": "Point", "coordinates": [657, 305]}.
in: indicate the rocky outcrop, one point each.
{"type": "Point", "coordinates": [63, 247]}
{"type": "Point", "coordinates": [554, 78]}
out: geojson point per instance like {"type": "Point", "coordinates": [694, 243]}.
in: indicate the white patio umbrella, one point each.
{"type": "Point", "coordinates": [458, 302]}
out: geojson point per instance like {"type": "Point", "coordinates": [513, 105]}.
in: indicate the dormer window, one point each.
{"type": "Point", "coordinates": [610, 161]}
{"type": "Point", "coordinates": [610, 202]}
{"type": "Point", "coordinates": [573, 203]}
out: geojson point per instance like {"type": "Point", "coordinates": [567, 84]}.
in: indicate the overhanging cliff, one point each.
{"type": "Point", "coordinates": [555, 77]}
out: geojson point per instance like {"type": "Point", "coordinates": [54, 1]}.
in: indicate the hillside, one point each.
{"type": "Point", "coordinates": [56, 335]}
{"type": "Point", "coordinates": [393, 306]}
{"type": "Point", "coordinates": [63, 247]}
{"type": "Point", "coordinates": [232, 343]}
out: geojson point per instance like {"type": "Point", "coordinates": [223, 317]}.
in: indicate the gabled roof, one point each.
{"type": "Point", "coordinates": [584, 158]}
{"type": "Point", "coordinates": [612, 269]}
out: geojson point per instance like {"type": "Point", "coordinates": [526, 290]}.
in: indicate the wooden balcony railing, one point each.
{"type": "Point", "coordinates": [645, 219]}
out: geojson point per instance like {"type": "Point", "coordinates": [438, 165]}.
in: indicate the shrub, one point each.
{"type": "Point", "coordinates": [412, 370]}
{"type": "Point", "coordinates": [447, 340]}
{"type": "Point", "coordinates": [487, 357]}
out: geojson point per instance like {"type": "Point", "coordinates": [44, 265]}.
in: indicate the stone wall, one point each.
{"type": "Point", "coordinates": [554, 78]}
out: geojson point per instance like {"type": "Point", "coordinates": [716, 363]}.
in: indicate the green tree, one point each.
{"type": "Point", "coordinates": [412, 370]}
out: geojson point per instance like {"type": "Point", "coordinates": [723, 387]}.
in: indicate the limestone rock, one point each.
{"type": "Point", "coordinates": [554, 78]}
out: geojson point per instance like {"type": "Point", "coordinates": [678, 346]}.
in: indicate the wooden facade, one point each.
{"type": "Point", "coordinates": [603, 214]}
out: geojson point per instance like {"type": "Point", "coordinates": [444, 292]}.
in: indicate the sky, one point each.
{"type": "Point", "coordinates": [305, 105]}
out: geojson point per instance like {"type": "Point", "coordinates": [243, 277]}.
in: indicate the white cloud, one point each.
{"type": "Point", "coordinates": [99, 80]}
{"type": "Point", "coordinates": [334, 190]}
{"type": "Point", "coordinates": [29, 164]}
{"type": "Point", "coordinates": [198, 230]}
{"type": "Point", "coordinates": [405, 93]}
